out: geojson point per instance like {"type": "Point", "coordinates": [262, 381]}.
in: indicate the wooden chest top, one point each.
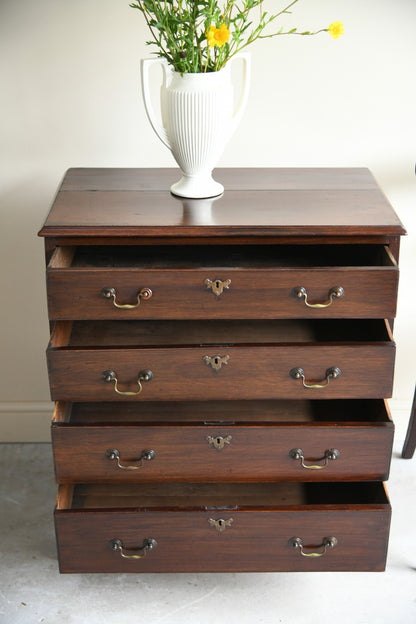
{"type": "Point", "coordinates": [258, 202]}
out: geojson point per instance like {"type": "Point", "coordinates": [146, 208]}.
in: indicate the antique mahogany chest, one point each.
{"type": "Point", "coordinates": [220, 369]}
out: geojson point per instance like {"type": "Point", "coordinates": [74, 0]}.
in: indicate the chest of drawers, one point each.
{"type": "Point", "coordinates": [220, 370]}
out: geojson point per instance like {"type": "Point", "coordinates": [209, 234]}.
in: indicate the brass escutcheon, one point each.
{"type": "Point", "coordinates": [217, 286]}
{"type": "Point", "coordinates": [218, 442]}
{"type": "Point", "coordinates": [216, 361]}
{"type": "Point", "coordinates": [221, 524]}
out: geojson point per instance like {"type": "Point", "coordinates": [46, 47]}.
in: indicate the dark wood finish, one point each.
{"type": "Point", "coordinates": [352, 412]}
{"type": "Point", "coordinates": [338, 203]}
{"type": "Point", "coordinates": [271, 231]}
{"type": "Point", "coordinates": [257, 368]}
{"type": "Point", "coordinates": [248, 178]}
{"type": "Point", "coordinates": [209, 241]}
{"type": "Point", "coordinates": [257, 540]}
{"type": "Point", "coordinates": [256, 451]}
{"type": "Point", "coordinates": [95, 211]}
{"type": "Point", "coordinates": [223, 496]}
{"type": "Point", "coordinates": [262, 282]}
{"type": "Point", "coordinates": [410, 441]}
{"type": "Point", "coordinates": [216, 332]}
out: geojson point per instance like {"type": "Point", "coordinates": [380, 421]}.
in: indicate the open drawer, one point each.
{"type": "Point", "coordinates": [217, 360]}
{"type": "Point", "coordinates": [265, 527]}
{"type": "Point", "coordinates": [229, 281]}
{"type": "Point", "coordinates": [232, 441]}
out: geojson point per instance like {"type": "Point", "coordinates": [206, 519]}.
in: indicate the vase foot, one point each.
{"type": "Point", "coordinates": [197, 187]}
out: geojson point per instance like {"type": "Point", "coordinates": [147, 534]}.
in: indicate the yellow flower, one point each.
{"type": "Point", "coordinates": [336, 29]}
{"type": "Point", "coordinates": [217, 36]}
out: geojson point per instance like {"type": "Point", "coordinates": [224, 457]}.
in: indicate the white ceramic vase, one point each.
{"type": "Point", "coordinates": [198, 116]}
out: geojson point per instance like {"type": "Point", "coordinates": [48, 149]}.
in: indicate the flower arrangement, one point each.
{"type": "Point", "coordinates": [196, 36]}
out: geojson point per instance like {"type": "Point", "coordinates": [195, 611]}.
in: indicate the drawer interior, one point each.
{"type": "Point", "coordinates": [203, 496]}
{"type": "Point", "coordinates": [144, 333]}
{"type": "Point", "coordinates": [223, 256]}
{"type": "Point", "coordinates": [366, 412]}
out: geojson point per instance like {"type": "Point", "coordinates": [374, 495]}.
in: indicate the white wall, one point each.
{"type": "Point", "coordinates": [69, 97]}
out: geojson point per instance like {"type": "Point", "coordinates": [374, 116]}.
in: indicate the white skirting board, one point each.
{"type": "Point", "coordinates": [25, 421]}
{"type": "Point", "coordinates": [30, 421]}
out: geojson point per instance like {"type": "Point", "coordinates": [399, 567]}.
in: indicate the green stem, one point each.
{"type": "Point", "coordinates": [302, 34]}
{"type": "Point", "coordinates": [178, 29]}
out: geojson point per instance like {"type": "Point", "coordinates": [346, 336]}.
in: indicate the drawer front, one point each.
{"type": "Point", "coordinates": [368, 292]}
{"type": "Point", "coordinates": [184, 373]}
{"type": "Point", "coordinates": [220, 452]}
{"type": "Point", "coordinates": [251, 541]}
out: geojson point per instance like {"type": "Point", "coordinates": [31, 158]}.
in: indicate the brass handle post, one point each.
{"type": "Point", "coordinates": [149, 543]}
{"type": "Point", "coordinates": [334, 293]}
{"type": "Point", "coordinates": [110, 376]}
{"type": "Point", "coordinates": [332, 373]}
{"type": "Point", "coordinates": [114, 454]}
{"type": "Point", "coordinates": [331, 454]}
{"type": "Point", "coordinates": [111, 293]}
{"type": "Point", "coordinates": [327, 542]}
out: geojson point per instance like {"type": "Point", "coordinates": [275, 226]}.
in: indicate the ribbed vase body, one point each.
{"type": "Point", "coordinates": [197, 112]}
{"type": "Point", "coordinates": [198, 115]}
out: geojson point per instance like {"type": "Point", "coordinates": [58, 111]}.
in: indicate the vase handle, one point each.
{"type": "Point", "coordinates": [150, 112]}
{"type": "Point", "coordinates": [238, 113]}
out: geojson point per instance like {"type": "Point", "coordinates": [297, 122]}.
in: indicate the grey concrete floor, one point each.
{"type": "Point", "coordinates": [32, 590]}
